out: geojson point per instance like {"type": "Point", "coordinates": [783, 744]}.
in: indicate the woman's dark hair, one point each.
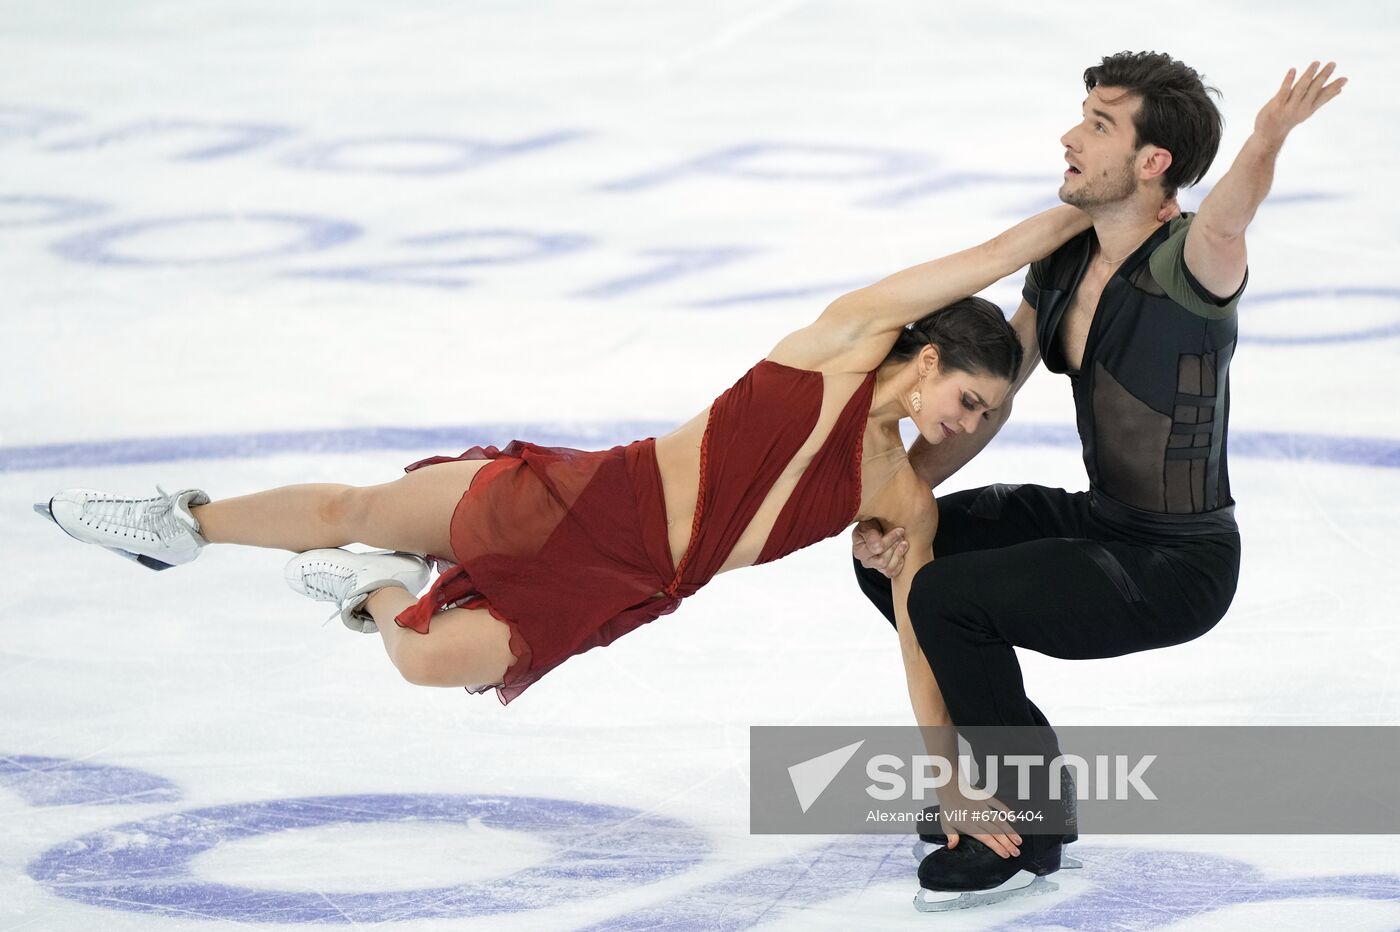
{"type": "Point", "coordinates": [971, 335]}
{"type": "Point", "coordinates": [1177, 113]}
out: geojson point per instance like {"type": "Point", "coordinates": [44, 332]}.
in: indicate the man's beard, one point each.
{"type": "Point", "coordinates": [1104, 190]}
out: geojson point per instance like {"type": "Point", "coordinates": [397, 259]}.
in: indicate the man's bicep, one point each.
{"type": "Point", "coordinates": [1024, 323]}
{"type": "Point", "coordinates": [1217, 263]}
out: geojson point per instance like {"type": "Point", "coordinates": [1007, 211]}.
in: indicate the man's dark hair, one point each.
{"type": "Point", "coordinates": [972, 335]}
{"type": "Point", "coordinates": [1177, 113]}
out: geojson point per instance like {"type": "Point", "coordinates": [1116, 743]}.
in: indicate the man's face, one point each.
{"type": "Point", "coordinates": [1102, 150]}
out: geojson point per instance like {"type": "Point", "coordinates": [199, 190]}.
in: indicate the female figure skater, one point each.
{"type": "Point", "coordinates": [550, 552]}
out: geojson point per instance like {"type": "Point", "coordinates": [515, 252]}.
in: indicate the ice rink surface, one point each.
{"type": "Point", "coordinates": [246, 244]}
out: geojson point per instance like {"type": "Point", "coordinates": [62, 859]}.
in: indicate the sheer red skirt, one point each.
{"type": "Point", "coordinates": [568, 547]}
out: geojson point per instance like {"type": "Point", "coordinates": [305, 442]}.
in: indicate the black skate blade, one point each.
{"type": "Point", "coordinates": [43, 509]}
{"type": "Point", "coordinates": [941, 901]}
{"type": "Point", "coordinates": [923, 849]}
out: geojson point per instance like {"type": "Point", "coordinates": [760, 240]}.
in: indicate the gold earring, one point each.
{"type": "Point", "coordinates": [916, 401]}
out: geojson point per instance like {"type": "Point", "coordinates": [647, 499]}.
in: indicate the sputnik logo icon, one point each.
{"type": "Point", "coordinates": [811, 777]}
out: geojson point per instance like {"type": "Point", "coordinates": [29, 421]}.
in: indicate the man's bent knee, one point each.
{"type": "Point", "coordinates": [943, 601]}
{"type": "Point", "coordinates": [929, 592]}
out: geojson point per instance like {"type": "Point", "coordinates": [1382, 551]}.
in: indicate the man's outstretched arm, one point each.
{"type": "Point", "coordinates": [1215, 250]}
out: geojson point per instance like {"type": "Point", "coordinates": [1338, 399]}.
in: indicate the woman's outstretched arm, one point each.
{"type": "Point", "coordinates": [906, 296]}
{"type": "Point", "coordinates": [856, 331]}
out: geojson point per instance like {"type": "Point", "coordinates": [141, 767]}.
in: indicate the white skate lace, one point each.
{"type": "Point", "coordinates": [327, 582]}
{"type": "Point", "coordinates": [149, 519]}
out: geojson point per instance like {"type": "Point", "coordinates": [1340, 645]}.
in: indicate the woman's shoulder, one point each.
{"type": "Point", "coordinates": [829, 349]}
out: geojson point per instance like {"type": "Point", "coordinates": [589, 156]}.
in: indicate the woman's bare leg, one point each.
{"type": "Point", "coordinates": [412, 514]}
{"type": "Point", "coordinates": [463, 646]}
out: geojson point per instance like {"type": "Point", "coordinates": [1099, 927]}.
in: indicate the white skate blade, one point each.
{"type": "Point", "coordinates": [1022, 883]}
{"type": "Point", "coordinates": [150, 563]}
{"type": "Point", "coordinates": [923, 849]}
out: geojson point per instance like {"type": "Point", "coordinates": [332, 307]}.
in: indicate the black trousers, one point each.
{"type": "Point", "coordinates": [1033, 567]}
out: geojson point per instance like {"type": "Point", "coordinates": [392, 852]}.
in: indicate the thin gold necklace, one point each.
{"type": "Point", "coordinates": [1125, 255]}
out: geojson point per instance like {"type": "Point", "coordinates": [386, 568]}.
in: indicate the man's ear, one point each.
{"type": "Point", "coordinates": [1153, 162]}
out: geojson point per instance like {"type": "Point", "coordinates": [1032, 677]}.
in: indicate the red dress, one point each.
{"type": "Point", "coordinates": [570, 548]}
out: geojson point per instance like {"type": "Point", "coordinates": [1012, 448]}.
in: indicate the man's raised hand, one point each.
{"type": "Point", "coordinates": [1297, 99]}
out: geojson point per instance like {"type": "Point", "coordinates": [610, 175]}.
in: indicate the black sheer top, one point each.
{"type": "Point", "coordinates": [1152, 395]}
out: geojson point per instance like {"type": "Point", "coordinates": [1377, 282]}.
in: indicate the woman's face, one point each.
{"type": "Point", "coordinates": [954, 402]}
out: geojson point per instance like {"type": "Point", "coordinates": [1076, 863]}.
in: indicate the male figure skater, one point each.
{"type": "Point", "coordinates": [1141, 316]}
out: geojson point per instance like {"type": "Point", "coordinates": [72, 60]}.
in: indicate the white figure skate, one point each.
{"type": "Point", "coordinates": [348, 579]}
{"type": "Point", "coordinates": [158, 532]}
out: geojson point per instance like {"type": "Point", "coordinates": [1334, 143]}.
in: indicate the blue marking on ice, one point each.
{"type": "Point", "coordinates": [312, 234]}
{"type": "Point", "coordinates": [144, 866]}
{"type": "Point", "coordinates": [600, 850]}
{"type": "Point", "coordinates": [351, 440]}
{"type": "Point", "coordinates": [1129, 888]}
{"type": "Point", "coordinates": [234, 138]}
{"type": "Point", "coordinates": [1324, 295]}
{"type": "Point", "coordinates": [455, 153]}
{"type": "Point", "coordinates": [1346, 451]}
{"type": "Point", "coordinates": [56, 781]}
{"type": "Point", "coordinates": [845, 866]}
{"type": "Point", "coordinates": [59, 209]}
{"type": "Point", "coordinates": [747, 160]}
{"type": "Point", "coordinates": [1134, 888]}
